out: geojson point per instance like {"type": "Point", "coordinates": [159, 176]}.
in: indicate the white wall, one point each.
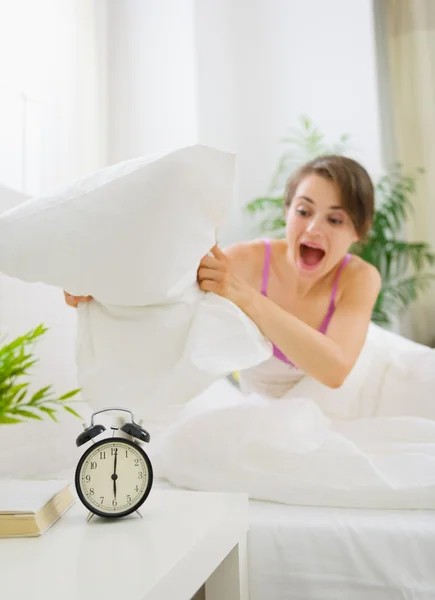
{"type": "Point", "coordinates": [291, 58]}
{"type": "Point", "coordinates": [215, 74]}
{"type": "Point", "coordinates": [151, 77]}
{"type": "Point", "coordinates": [253, 69]}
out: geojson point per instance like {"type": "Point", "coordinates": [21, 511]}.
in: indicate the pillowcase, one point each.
{"type": "Point", "coordinates": [40, 448]}
{"type": "Point", "coordinates": [10, 198]}
{"type": "Point", "coordinates": [132, 236]}
{"type": "Point", "coordinates": [23, 306]}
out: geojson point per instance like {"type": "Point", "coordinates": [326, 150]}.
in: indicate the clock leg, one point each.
{"type": "Point", "coordinates": [89, 517]}
{"type": "Point", "coordinates": [139, 513]}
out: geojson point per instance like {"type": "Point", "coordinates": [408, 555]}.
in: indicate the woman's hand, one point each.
{"type": "Point", "coordinates": [74, 301]}
{"type": "Point", "coordinates": [216, 274]}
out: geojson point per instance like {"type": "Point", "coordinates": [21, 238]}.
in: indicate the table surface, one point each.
{"type": "Point", "coordinates": [169, 553]}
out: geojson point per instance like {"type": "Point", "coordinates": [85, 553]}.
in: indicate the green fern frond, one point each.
{"type": "Point", "coordinates": [16, 359]}
{"type": "Point", "coordinates": [264, 203]}
{"type": "Point", "coordinates": [397, 295]}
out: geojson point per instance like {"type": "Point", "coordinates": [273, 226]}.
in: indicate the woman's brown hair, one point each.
{"type": "Point", "coordinates": [353, 181]}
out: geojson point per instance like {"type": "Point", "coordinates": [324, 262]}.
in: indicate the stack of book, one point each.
{"type": "Point", "coordinates": [28, 508]}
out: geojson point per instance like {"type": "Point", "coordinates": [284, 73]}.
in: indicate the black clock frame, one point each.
{"type": "Point", "coordinates": [91, 449]}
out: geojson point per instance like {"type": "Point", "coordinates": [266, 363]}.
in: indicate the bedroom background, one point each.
{"type": "Point", "coordinates": [84, 84]}
{"type": "Point", "coordinates": [88, 83]}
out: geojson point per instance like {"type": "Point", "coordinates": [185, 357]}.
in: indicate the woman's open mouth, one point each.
{"type": "Point", "coordinates": [310, 256]}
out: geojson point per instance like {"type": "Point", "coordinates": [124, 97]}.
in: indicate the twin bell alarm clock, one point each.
{"type": "Point", "coordinates": [114, 476]}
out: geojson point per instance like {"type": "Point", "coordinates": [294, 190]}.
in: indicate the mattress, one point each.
{"type": "Point", "coordinates": [315, 553]}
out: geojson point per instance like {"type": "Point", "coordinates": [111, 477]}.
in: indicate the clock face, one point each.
{"type": "Point", "coordinates": [113, 477]}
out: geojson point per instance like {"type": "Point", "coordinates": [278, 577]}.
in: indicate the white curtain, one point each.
{"type": "Point", "coordinates": [52, 91]}
{"type": "Point", "coordinates": [52, 130]}
{"type": "Point", "coordinates": [410, 28]}
{"type": "Point", "coordinates": [90, 101]}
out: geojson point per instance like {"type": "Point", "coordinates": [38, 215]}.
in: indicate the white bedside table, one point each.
{"type": "Point", "coordinates": [184, 540]}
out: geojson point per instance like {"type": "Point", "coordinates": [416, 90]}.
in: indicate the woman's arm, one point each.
{"type": "Point", "coordinates": [328, 358]}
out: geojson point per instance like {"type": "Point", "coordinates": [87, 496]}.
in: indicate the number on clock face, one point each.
{"type": "Point", "coordinates": [114, 477]}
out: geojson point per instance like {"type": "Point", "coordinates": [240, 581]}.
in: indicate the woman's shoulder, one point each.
{"type": "Point", "coordinates": [253, 248]}
{"type": "Point", "coordinates": [247, 250]}
{"type": "Point", "coordinates": [357, 266]}
{"type": "Point", "coordinates": [248, 256]}
{"type": "Point", "coordinates": [359, 275]}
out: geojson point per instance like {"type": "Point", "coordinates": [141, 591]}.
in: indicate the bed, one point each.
{"type": "Point", "coordinates": [308, 552]}
{"type": "Point", "coordinates": [316, 553]}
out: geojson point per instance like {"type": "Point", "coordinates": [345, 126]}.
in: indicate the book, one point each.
{"type": "Point", "coordinates": [29, 507]}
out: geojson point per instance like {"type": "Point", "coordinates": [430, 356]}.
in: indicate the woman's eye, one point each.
{"type": "Point", "coordinates": [335, 221]}
{"type": "Point", "coordinates": [302, 212]}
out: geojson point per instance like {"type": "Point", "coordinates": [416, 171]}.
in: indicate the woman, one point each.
{"type": "Point", "coordinates": [306, 293]}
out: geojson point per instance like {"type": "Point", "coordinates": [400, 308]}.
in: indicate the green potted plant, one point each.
{"type": "Point", "coordinates": [405, 267]}
{"type": "Point", "coordinates": [17, 404]}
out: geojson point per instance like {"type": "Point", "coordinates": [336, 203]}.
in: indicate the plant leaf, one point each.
{"type": "Point", "coordinates": [25, 413]}
{"type": "Point", "coordinates": [4, 420]}
{"type": "Point", "coordinates": [16, 359]}
{"type": "Point", "coordinates": [40, 394]}
{"type": "Point", "coordinates": [72, 411]}
{"type": "Point", "coordinates": [70, 394]}
{"type": "Point", "coordinates": [49, 411]}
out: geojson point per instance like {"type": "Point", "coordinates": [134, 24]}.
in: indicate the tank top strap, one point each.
{"type": "Point", "coordinates": [266, 266]}
{"type": "Point", "coordinates": [344, 262]}
{"type": "Point", "coordinates": [331, 308]}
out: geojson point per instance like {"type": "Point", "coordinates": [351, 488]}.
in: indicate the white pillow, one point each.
{"type": "Point", "coordinates": [40, 448]}
{"type": "Point", "coordinates": [23, 306]}
{"type": "Point", "coordinates": [132, 236]}
{"type": "Point", "coordinates": [10, 198]}
{"type": "Point", "coordinates": [409, 379]}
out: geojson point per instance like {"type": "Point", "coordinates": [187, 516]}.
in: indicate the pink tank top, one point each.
{"type": "Point", "coordinates": [324, 326]}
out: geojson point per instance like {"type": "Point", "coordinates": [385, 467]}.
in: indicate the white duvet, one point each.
{"type": "Point", "coordinates": [369, 444]}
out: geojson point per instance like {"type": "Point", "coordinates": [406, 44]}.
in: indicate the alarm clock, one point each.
{"type": "Point", "coordinates": [114, 476]}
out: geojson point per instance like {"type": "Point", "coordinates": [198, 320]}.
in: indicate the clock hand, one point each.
{"type": "Point", "coordinates": [115, 476]}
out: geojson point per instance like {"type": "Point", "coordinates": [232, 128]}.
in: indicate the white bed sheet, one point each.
{"type": "Point", "coordinates": [316, 553]}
